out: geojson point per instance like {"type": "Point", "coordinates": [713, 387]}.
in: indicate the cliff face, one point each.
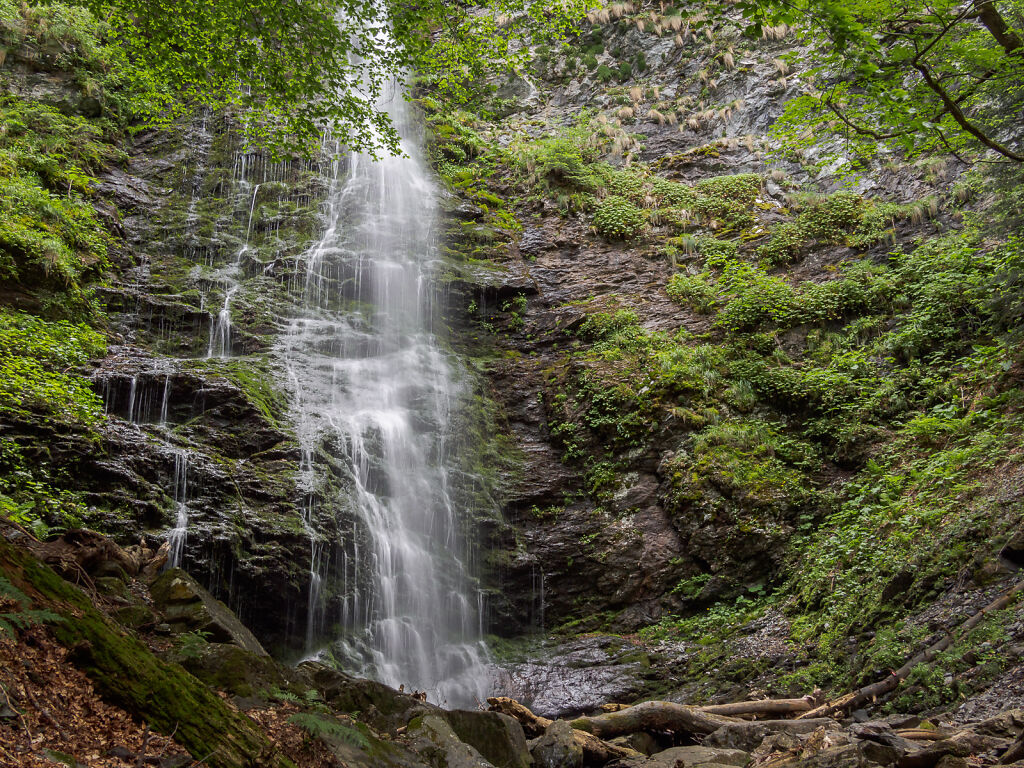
{"type": "Point", "coordinates": [737, 445]}
{"type": "Point", "coordinates": [751, 454]}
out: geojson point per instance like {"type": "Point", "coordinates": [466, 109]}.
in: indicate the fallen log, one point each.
{"type": "Point", "coordinates": [763, 707]}
{"type": "Point", "coordinates": [851, 701]}
{"type": "Point", "coordinates": [533, 725]}
{"type": "Point", "coordinates": [652, 716]}
{"type": "Point", "coordinates": [595, 750]}
{"type": "Point", "coordinates": [924, 734]}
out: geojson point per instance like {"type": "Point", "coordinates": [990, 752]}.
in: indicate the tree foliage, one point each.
{"type": "Point", "coordinates": [927, 75]}
{"type": "Point", "coordinates": [296, 67]}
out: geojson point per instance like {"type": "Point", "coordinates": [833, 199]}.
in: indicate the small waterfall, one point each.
{"type": "Point", "coordinates": [231, 277]}
{"type": "Point", "coordinates": [176, 536]}
{"type": "Point", "coordinates": [369, 375]}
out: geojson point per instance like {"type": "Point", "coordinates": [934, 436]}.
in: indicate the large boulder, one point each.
{"type": "Point", "coordinates": [188, 607]}
{"type": "Point", "coordinates": [433, 739]}
{"type": "Point", "coordinates": [557, 748]}
{"type": "Point", "coordinates": [382, 707]}
{"type": "Point", "coordinates": [498, 737]}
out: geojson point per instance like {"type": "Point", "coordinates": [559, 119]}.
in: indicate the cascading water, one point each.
{"type": "Point", "coordinates": [369, 376]}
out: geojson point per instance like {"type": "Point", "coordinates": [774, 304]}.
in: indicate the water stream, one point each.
{"type": "Point", "coordinates": [373, 385]}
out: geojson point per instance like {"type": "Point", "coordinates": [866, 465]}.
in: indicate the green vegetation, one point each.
{"type": "Point", "coordinates": [127, 673]}
{"type": "Point", "coordinates": [322, 726]}
{"type": "Point", "coordinates": [617, 218]}
{"type": "Point", "coordinates": [35, 359]}
{"type": "Point", "coordinates": [924, 77]}
{"type": "Point", "coordinates": [15, 613]}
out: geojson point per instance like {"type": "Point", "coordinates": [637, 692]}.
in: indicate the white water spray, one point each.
{"type": "Point", "coordinates": [369, 376]}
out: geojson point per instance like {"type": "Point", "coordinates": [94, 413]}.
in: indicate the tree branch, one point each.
{"type": "Point", "coordinates": [957, 114]}
{"type": "Point", "coordinates": [990, 18]}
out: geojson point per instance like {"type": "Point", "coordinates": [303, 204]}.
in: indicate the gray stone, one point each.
{"type": "Point", "coordinates": [187, 607]}
{"type": "Point", "coordinates": [687, 757]}
{"type": "Point", "coordinates": [748, 736]}
{"type": "Point", "coordinates": [434, 740]}
{"type": "Point", "coordinates": [498, 737]}
{"type": "Point", "coordinates": [557, 748]}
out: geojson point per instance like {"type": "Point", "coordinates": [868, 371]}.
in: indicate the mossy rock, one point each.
{"type": "Point", "coordinates": [128, 675]}
{"type": "Point", "coordinates": [497, 737]}
{"type": "Point", "coordinates": [236, 670]}
{"type": "Point", "coordinates": [187, 607]}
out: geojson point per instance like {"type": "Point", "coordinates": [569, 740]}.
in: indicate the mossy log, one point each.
{"type": "Point", "coordinates": [127, 674]}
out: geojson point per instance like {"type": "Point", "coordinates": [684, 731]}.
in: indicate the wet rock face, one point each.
{"type": "Point", "coordinates": [572, 678]}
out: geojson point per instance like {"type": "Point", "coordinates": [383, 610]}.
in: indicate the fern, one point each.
{"type": "Point", "coordinates": [329, 728]}
{"type": "Point", "coordinates": [21, 617]}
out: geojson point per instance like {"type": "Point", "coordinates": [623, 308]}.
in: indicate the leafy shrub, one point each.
{"type": "Point", "coordinates": [35, 356]}
{"type": "Point", "coordinates": [729, 199]}
{"type": "Point", "coordinates": [697, 291]}
{"type": "Point", "coordinates": [717, 253]}
{"type": "Point", "coordinates": [565, 160]}
{"type": "Point", "coordinates": [672, 193]}
{"type": "Point", "coordinates": [618, 218]}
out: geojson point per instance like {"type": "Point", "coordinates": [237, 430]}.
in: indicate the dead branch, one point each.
{"type": "Point", "coordinates": [871, 692]}
{"type": "Point", "coordinates": [763, 707]}
{"type": "Point", "coordinates": [652, 716]}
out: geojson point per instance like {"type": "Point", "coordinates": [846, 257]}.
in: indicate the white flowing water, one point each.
{"type": "Point", "coordinates": [371, 379]}
{"type": "Point", "coordinates": [230, 277]}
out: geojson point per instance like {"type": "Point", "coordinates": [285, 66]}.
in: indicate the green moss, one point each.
{"type": "Point", "coordinates": [127, 674]}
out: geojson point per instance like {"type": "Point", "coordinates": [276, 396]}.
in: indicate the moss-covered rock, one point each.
{"type": "Point", "coordinates": [187, 607]}
{"type": "Point", "coordinates": [127, 673]}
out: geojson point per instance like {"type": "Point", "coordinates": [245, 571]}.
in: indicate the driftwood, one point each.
{"type": "Point", "coordinates": [924, 734]}
{"type": "Point", "coordinates": [652, 716]}
{"type": "Point", "coordinates": [595, 750]}
{"type": "Point", "coordinates": [533, 725]}
{"type": "Point", "coordinates": [871, 692]}
{"type": "Point", "coordinates": [763, 707]}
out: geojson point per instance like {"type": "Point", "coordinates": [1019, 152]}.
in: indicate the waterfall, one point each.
{"type": "Point", "coordinates": [371, 379]}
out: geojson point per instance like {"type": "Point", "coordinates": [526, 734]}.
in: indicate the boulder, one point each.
{"type": "Point", "coordinates": [236, 670]}
{"type": "Point", "coordinates": [858, 755]}
{"type": "Point", "coordinates": [557, 748]}
{"type": "Point", "coordinates": [747, 736]}
{"type": "Point", "coordinates": [434, 740]}
{"type": "Point", "coordinates": [498, 737]}
{"type": "Point", "coordinates": [382, 707]}
{"type": "Point", "coordinates": [187, 607]}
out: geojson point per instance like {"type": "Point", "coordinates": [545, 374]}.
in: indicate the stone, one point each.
{"type": "Point", "coordinates": [498, 737]}
{"type": "Point", "coordinates": [858, 755]}
{"type": "Point", "coordinates": [688, 757]}
{"type": "Point", "coordinates": [557, 748]}
{"type": "Point", "coordinates": [1006, 725]}
{"type": "Point", "coordinates": [434, 740]}
{"type": "Point", "coordinates": [187, 607]}
{"type": "Point", "coordinates": [748, 736]}
{"type": "Point", "coordinates": [641, 741]}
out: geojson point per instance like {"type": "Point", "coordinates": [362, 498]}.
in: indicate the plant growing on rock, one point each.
{"type": "Point", "coordinates": [618, 219]}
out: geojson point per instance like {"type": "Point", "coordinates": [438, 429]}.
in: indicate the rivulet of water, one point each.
{"type": "Point", "coordinates": [369, 376]}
